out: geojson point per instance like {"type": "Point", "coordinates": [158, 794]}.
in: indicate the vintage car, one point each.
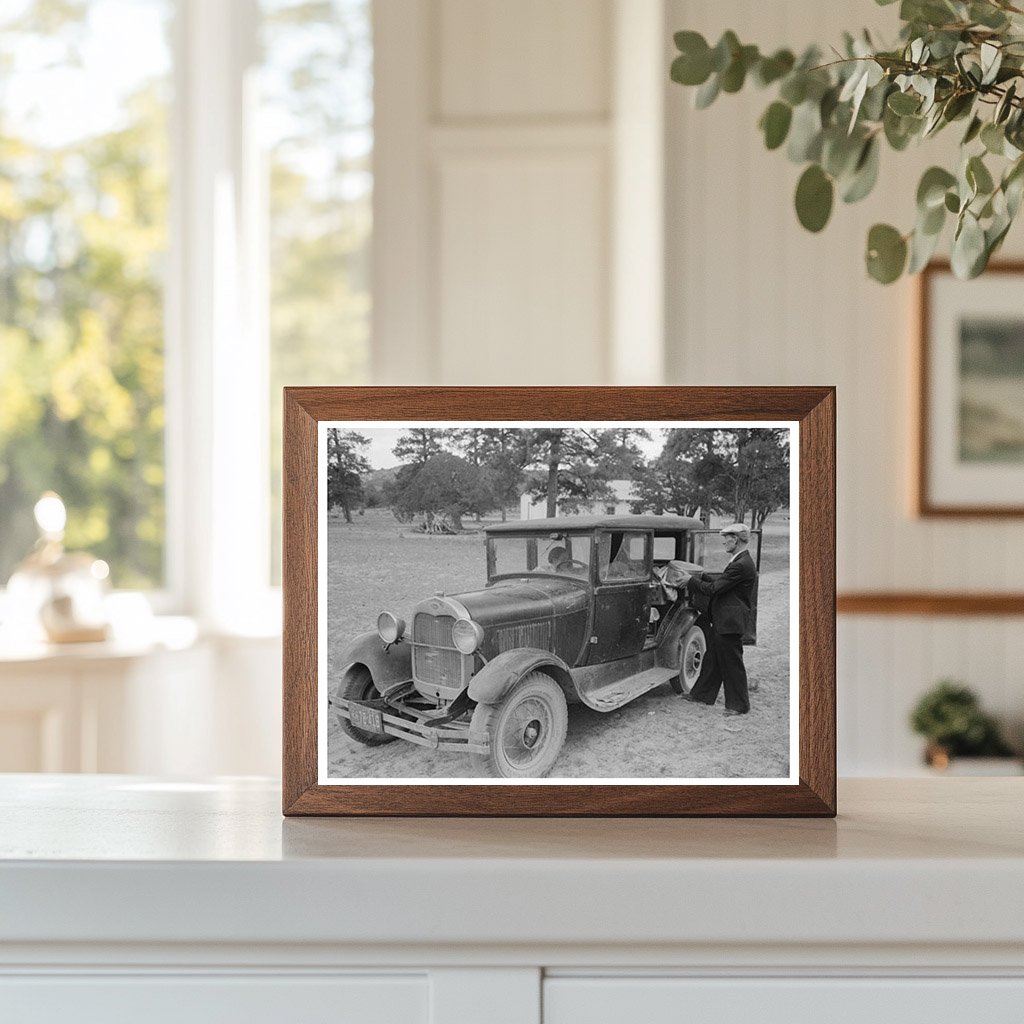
{"type": "Point", "coordinates": [575, 609]}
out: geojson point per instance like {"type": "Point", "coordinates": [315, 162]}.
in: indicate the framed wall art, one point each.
{"type": "Point", "coordinates": [970, 445]}
{"type": "Point", "coordinates": [559, 601]}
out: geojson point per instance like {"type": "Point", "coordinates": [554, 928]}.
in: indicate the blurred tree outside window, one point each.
{"type": "Point", "coordinates": [85, 92]}
{"type": "Point", "coordinates": [317, 127]}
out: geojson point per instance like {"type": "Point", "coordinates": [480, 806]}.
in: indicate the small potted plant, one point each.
{"type": "Point", "coordinates": [950, 718]}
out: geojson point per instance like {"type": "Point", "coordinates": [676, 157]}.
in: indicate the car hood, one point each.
{"type": "Point", "coordinates": [524, 599]}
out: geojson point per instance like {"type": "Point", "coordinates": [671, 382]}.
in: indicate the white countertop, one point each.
{"type": "Point", "coordinates": [119, 859]}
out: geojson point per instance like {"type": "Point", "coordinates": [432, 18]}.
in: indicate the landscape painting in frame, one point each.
{"type": "Point", "coordinates": [528, 603]}
{"type": "Point", "coordinates": [972, 388]}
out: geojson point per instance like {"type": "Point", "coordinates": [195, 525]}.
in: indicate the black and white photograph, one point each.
{"type": "Point", "coordinates": [578, 602]}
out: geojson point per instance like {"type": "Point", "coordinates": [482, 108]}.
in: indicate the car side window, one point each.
{"type": "Point", "coordinates": [624, 555]}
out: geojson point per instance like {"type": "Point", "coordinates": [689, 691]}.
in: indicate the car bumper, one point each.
{"type": "Point", "coordinates": [451, 736]}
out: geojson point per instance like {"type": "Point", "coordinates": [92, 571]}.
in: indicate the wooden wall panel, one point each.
{"type": "Point", "coordinates": [523, 285]}
{"type": "Point", "coordinates": [531, 58]}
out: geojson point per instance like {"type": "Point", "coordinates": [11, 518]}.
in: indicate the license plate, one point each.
{"type": "Point", "coordinates": [369, 719]}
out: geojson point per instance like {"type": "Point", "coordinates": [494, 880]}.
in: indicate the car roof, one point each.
{"type": "Point", "coordinates": [563, 523]}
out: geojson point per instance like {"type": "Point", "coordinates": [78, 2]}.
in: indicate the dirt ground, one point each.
{"type": "Point", "coordinates": [376, 564]}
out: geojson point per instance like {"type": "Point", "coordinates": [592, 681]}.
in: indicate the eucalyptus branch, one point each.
{"type": "Point", "coordinates": [834, 116]}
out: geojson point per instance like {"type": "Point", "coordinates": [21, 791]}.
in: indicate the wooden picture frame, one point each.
{"type": "Point", "coordinates": [969, 447]}
{"type": "Point", "coordinates": [808, 413]}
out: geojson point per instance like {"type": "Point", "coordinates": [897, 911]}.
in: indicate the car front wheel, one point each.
{"type": "Point", "coordinates": [359, 686]}
{"type": "Point", "coordinates": [526, 730]}
{"type": "Point", "coordinates": [692, 647]}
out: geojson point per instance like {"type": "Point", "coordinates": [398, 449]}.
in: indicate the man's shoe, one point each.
{"type": "Point", "coordinates": [729, 711]}
{"type": "Point", "coordinates": [693, 700]}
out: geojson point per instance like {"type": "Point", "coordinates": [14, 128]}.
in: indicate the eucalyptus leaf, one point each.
{"type": "Point", "coordinates": [932, 221]}
{"type": "Point", "coordinates": [993, 138]}
{"type": "Point", "coordinates": [903, 103]}
{"type": "Point", "coordinates": [865, 173]}
{"type": "Point", "coordinates": [886, 253]}
{"type": "Point", "coordinates": [931, 190]}
{"type": "Point", "coordinates": [814, 194]}
{"type": "Point", "coordinates": [840, 152]}
{"type": "Point", "coordinates": [968, 247]}
{"type": "Point", "coordinates": [978, 176]}
{"type": "Point", "coordinates": [922, 248]}
{"type": "Point", "coordinates": [775, 123]}
{"type": "Point", "coordinates": [771, 69]}
{"type": "Point", "coordinates": [972, 132]}
{"type": "Point", "coordinates": [794, 88]}
{"type": "Point", "coordinates": [987, 15]}
{"type": "Point", "coordinates": [958, 105]}
{"type": "Point", "coordinates": [735, 74]}
{"type": "Point", "coordinates": [1005, 104]}
{"type": "Point", "coordinates": [725, 50]}
{"type": "Point", "coordinates": [991, 60]}
{"type": "Point", "coordinates": [707, 93]}
{"type": "Point", "coordinates": [805, 133]}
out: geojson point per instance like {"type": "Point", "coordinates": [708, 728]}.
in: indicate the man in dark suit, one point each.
{"type": "Point", "coordinates": [729, 615]}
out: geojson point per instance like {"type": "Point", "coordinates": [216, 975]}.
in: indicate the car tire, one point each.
{"type": "Point", "coordinates": [693, 645]}
{"type": "Point", "coordinates": [359, 686]}
{"type": "Point", "coordinates": [526, 729]}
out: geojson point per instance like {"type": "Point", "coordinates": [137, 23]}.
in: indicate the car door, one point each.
{"type": "Point", "coordinates": [621, 595]}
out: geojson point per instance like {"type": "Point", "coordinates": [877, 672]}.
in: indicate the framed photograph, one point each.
{"type": "Point", "coordinates": [559, 601]}
{"type": "Point", "coordinates": [970, 451]}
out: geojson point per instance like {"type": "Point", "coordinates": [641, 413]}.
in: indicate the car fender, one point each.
{"type": "Point", "coordinates": [389, 666]}
{"type": "Point", "coordinates": [501, 673]}
{"type": "Point", "coordinates": [679, 621]}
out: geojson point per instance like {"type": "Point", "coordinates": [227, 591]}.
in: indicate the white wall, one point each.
{"type": "Point", "coordinates": [515, 196]}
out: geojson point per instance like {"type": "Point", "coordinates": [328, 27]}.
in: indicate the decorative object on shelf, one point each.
{"type": "Point", "coordinates": [530, 659]}
{"type": "Point", "coordinates": [970, 445]}
{"type": "Point", "coordinates": [54, 593]}
{"type": "Point", "coordinates": [949, 716]}
{"type": "Point", "coordinates": [956, 61]}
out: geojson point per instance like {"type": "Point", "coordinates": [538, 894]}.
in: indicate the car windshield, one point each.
{"type": "Point", "coordinates": [557, 554]}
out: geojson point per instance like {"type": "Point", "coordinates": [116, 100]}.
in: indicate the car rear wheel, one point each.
{"type": "Point", "coordinates": [526, 729]}
{"type": "Point", "coordinates": [692, 647]}
{"type": "Point", "coordinates": [359, 686]}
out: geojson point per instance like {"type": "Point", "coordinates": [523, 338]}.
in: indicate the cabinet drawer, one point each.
{"type": "Point", "coordinates": [660, 1000]}
{"type": "Point", "coordinates": [202, 999]}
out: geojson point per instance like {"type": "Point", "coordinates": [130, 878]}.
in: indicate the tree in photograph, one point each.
{"type": "Point", "coordinates": [419, 444]}
{"type": "Point", "coordinates": [576, 464]}
{"type": "Point", "coordinates": [346, 465]}
{"type": "Point", "coordinates": [750, 473]}
{"type": "Point", "coordinates": [686, 470]}
{"type": "Point", "coordinates": [665, 485]}
{"type": "Point", "coordinates": [441, 490]}
{"type": "Point", "coordinates": [499, 453]}
{"type": "Point", "coordinates": [764, 459]}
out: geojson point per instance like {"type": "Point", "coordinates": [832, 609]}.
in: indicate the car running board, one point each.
{"type": "Point", "coordinates": [621, 691]}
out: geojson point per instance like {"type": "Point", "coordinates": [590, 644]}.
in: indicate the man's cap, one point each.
{"type": "Point", "coordinates": [737, 528]}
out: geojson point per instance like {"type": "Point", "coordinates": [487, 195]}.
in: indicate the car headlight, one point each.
{"type": "Point", "coordinates": [467, 635]}
{"type": "Point", "coordinates": [389, 628]}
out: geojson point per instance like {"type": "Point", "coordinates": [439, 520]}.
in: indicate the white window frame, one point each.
{"type": "Point", "coordinates": [217, 353]}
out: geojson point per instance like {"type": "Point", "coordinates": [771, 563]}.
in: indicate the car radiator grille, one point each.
{"type": "Point", "coordinates": [435, 661]}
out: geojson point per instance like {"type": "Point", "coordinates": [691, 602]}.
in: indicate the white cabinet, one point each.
{"type": "Point", "coordinates": [201, 999]}
{"type": "Point", "coordinates": [131, 898]}
{"type": "Point", "coordinates": [828, 1000]}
